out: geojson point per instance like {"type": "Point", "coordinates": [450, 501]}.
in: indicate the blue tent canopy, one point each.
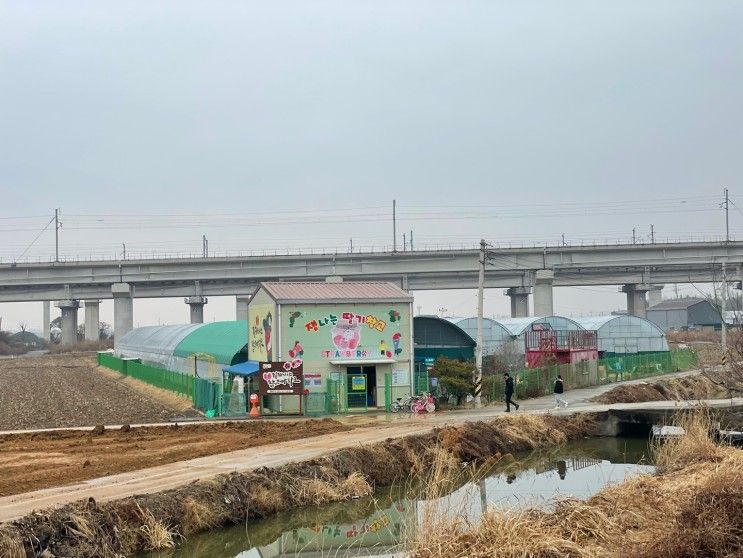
{"type": "Point", "coordinates": [243, 369]}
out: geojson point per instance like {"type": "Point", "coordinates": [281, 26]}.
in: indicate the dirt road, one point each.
{"type": "Point", "coordinates": [70, 390]}
{"type": "Point", "coordinates": [40, 460]}
{"type": "Point", "coordinates": [163, 477]}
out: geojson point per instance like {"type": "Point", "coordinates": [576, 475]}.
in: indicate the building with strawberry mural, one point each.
{"type": "Point", "coordinates": [353, 339]}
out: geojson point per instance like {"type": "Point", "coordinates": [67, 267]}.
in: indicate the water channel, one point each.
{"type": "Point", "coordinates": [374, 526]}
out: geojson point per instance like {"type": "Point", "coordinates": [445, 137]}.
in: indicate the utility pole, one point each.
{"type": "Point", "coordinates": [634, 236]}
{"type": "Point", "coordinates": [411, 240]}
{"type": "Point", "coordinates": [727, 216]}
{"type": "Point", "coordinates": [652, 234]}
{"type": "Point", "coordinates": [394, 226]}
{"type": "Point", "coordinates": [404, 242]}
{"type": "Point", "coordinates": [56, 235]}
{"type": "Point", "coordinates": [563, 239]}
{"type": "Point", "coordinates": [723, 329]}
{"type": "Point", "coordinates": [351, 244]}
{"type": "Point", "coordinates": [478, 348]}
{"type": "Point", "coordinates": [123, 246]}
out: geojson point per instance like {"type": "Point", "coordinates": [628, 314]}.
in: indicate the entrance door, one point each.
{"type": "Point", "coordinates": [371, 385]}
{"type": "Point", "coordinates": [356, 388]}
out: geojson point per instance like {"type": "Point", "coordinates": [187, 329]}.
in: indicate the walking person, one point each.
{"type": "Point", "coordinates": [509, 393]}
{"type": "Point", "coordinates": [559, 390]}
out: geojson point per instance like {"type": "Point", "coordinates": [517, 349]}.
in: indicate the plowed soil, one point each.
{"type": "Point", "coordinates": [38, 460]}
{"type": "Point", "coordinates": [57, 391]}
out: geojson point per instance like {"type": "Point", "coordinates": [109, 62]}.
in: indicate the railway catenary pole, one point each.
{"type": "Point", "coordinates": [56, 235]}
{"type": "Point", "coordinates": [723, 328]}
{"type": "Point", "coordinates": [727, 216]}
{"type": "Point", "coordinates": [478, 349]}
{"type": "Point", "coordinates": [394, 225]}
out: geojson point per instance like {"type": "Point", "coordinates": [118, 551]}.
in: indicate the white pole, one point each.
{"type": "Point", "coordinates": [722, 309]}
{"type": "Point", "coordinates": [478, 354]}
{"type": "Point", "coordinates": [394, 226]}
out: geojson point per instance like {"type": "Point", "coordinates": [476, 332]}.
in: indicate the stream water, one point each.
{"type": "Point", "coordinates": [373, 526]}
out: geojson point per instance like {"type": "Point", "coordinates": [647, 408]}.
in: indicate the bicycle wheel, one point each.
{"type": "Point", "coordinates": [395, 407]}
{"type": "Point", "coordinates": [430, 407]}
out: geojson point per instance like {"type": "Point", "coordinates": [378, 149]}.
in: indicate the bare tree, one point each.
{"type": "Point", "coordinates": [23, 326]}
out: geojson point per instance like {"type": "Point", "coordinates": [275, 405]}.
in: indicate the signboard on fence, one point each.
{"type": "Point", "coordinates": [358, 383]}
{"type": "Point", "coordinates": [400, 377]}
{"type": "Point", "coordinates": [276, 378]}
{"type": "Point", "coordinates": [312, 379]}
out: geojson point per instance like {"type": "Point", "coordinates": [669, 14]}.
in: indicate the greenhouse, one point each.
{"type": "Point", "coordinates": [200, 349]}
{"type": "Point", "coordinates": [619, 335]}
{"type": "Point", "coordinates": [511, 332]}
{"type": "Point", "coordinates": [434, 337]}
{"type": "Point", "coordinates": [494, 335]}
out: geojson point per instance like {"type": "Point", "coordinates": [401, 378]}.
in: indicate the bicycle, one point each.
{"type": "Point", "coordinates": [402, 404]}
{"type": "Point", "coordinates": [423, 403]}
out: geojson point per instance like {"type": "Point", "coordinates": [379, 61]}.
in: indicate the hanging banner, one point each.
{"type": "Point", "coordinates": [260, 332]}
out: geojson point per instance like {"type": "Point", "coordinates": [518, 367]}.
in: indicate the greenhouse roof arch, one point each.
{"type": "Point", "coordinates": [170, 346]}
{"type": "Point", "coordinates": [626, 334]}
{"type": "Point", "coordinates": [517, 326]}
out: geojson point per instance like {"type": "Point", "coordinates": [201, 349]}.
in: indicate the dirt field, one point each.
{"type": "Point", "coordinates": [70, 390]}
{"type": "Point", "coordinates": [38, 460]}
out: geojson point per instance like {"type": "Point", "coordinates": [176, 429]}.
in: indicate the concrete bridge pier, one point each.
{"type": "Point", "coordinates": [69, 320]}
{"type": "Point", "coordinates": [519, 301]}
{"type": "Point", "coordinates": [241, 307]}
{"type": "Point", "coordinates": [197, 308]}
{"type": "Point", "coordinates": [543, 280]}
{"type": "Point", "coordinates": [123, 309]}
{"type": "Point", "coordinates": [92, 320]}
{"type": "Point", "coordinates": [47, 321]}
{"type": "Point", "coordinates": [636, 305]}
{"type": "Point", "coordinates": [655, 295]}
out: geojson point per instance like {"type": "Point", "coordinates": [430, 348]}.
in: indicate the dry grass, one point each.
{"type": "Point", "coordinates": [82, 347]}
{"type": "Point", "coordinates": [155, 534]}
{"type": "Point", "coordinates": [198, 516]}
{"type": "Point", "coordinates": [267, 499]}
{"type": "Point", "coordinates": [153, 521]}
{"type": "Point", "coordinates": [11, 544]}
{"type": "Point", "coordinates": [80, 526]}
{"type": "Point", "coordinates": [318, 491]}
{"type": "Point", "coordinates": [694, 508]}
{"type": "Point", "coordinates": [695, 446]}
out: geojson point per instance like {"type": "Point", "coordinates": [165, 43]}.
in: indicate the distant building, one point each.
{"type": "Point", "coordinates": [685, 313]}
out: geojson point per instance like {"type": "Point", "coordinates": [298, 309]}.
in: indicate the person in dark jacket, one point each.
{"type": "Point", "coordinates": [559, 390]}
{"type": "Point", "coordinates": [509, 393]}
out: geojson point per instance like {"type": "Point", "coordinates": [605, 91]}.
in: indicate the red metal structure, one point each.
{"type": "Point", "coordinates": [547, 346]}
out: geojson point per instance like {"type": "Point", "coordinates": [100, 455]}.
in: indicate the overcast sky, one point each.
{"type": "Point", "coordinates": [275, 125]}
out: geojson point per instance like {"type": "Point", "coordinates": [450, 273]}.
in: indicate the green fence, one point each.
{"type": "Point", "coordinates": [316, 404]}
{"type": "Point", "coordinates": [208, 396]}
{"type": "Point", "coordinates": [421, 379]}
{"type": "Point", "coordinates": [182, 384]}
{"type": "Point", "coordinates": [536, 382]}
{"type": "Point", "coordinates": [335, 398]}
{"type": "Point", "coordinates": [111, 362]}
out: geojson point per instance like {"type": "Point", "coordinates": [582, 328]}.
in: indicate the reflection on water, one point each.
{"type": "Point", "coordinates": [373, 527]}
